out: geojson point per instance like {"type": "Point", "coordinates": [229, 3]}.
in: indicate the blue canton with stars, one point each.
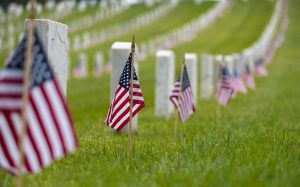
{"type": "Point", "coordinates": [226, 72]}
{"type": "Point", "coordinates": [40, 68]}
{"type": "Point", "coordinates": [186, 80]}
{"type": "Point", "coordinates": [125, 77]}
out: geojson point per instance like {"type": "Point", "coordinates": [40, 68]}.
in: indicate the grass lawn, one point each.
{"type": "Point", "coordinates": [253, 142]}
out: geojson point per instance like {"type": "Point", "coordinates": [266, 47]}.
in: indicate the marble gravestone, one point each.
{"type": "Point", "coordinates": [80, 69]}
{"type": "Point", "coordinates": [207, 77]}
{"type": "Point", "coordinates": [54, 37]}
{"type": "Point", "coordinates": [191, 62]}
{"type": "Point", "coordinates": [98, 67]}
{"type": "Point", "coordinates": [229, 62]}
{"type": "Point", "coordinates": [219, 62]}
{"type": "Point", "coordinates": [119, 54]}
{"type": "Point", "coordinates": [165, 70]}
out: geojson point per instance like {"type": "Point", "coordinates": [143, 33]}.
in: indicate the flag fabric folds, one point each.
{"type": "Point", "coordinates": [260, 69]}
{"type": "Point", "coordinates": [78, 71]}
{"type": "Point", "coordinates": [49, 131]}
{"type": "Point", "coordinates": [240, 86]}
{"type": "Point", "coordinates": [119, 110]}
{"type": "Point", "coordinates": [225, 87]}
{"type": "Point", "coordinates": [182, 96]}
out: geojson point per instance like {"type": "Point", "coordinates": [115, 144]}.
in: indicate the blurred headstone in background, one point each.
{"type": "Point", "coordinates": [165, 74]}
{"type": "Point", "coordinates": [207, 77]}
{"type": "Point", "coordinates": [80, 69]}
{"type": "Point", "coordinates": [191, 61]}
{"type": "Point", "coordinates": [99, 61]}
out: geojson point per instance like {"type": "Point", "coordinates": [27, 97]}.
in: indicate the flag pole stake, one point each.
{"type": "Point", "coordinates": [25, 97]}
{"type": "Point", "coordinates": [180, 89]}
{"type": "Point", "coordinates": [131, 99]}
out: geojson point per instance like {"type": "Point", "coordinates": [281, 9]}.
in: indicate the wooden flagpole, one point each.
{"type": "Point", "coordinates": [25, 97]}
{"type": "Point", "coordinates": [131, 98]}
{"type": "Point", "coordinates": [180, 88]}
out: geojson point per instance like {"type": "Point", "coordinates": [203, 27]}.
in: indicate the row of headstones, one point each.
{"type": "Point", "coordinates": [58, 54]}
{"type": "Point", "coordinates": [263, 49]}
{"type": "Point", "coordinates": [14, 10]}
{"type": "Point", "coordinates": [165, 71]}
{"type": "Point", "coordinates": [237, 65]}
{"type": "Point", "coordinates": [101, 14]}
{"type": "Point", "coordinates": [165, 79]}
{"type": "Point", "coordinates": [185, 33]}
{"type": "Point", "coordinates": [81, 67]}
{"type": "Point", "coordinates": [98, 37]}
{"type": "Point", "coordinates": [260, 47]}
{"type": "Point", "coordinates": [10, 41]}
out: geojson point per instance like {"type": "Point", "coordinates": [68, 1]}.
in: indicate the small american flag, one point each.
{"type": "Point", "coordinates": [260, 69]}
{"type": "Point", "coordinates": [224, 87]}
{"type": "Point", "coordinates": [183, 99]}
{"type": "Point", "coordinates": [119, 110]}
{"type": "Point", "coordinates": [248, 78]}
{"type": "Point", "coordinates": [78, 71]}
{"type": "Point", "coordinates": [240, 86]}
{"type": "Point", "coordinates": [50, 134]}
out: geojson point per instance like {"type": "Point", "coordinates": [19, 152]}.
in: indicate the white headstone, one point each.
{"type": "Point", "coordinates": [80, 70]}
{"type": "Point", "coordinates": [191, 62]}
{"type": "Point", "coordinates": [229, 62]}
{"type": "Point", "coordinates": [119, 54]}
{"type": "Point", "coordinates": [82, 6]}
{"type": "Point", "coordinates": [54, 37]}
{"type": "Point", "coordinates": [76, 42]}
{"type": "Point", "coordinates": [86, 39]}
{"type": "Point", "coordinates": [50, 4]}
{"type": "Point", "coordinates": [1, 43]}
{"type": "Point", "coordinates": [219, 61]}
{"type": "Point", "coordinates": [98, 69]}
{"type": "Point", "coordinates": [207, 77]}
{"type": "Point", "coordinates": [165, 70]}
{"type": "Point", "coordinates": [11, 42]}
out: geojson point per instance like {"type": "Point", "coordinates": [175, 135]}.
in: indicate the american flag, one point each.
{"type": "Point", "coordinates": [225, 88]}
{"type": "Point", "coordinates": [119, 110]}
{"type": "Point", "coordinates": [260, 69]}
{"type": "Point", "coordinates": [239, 84]}
{"type": "Point", "coordinates": [248, 78]}
{"type": "Point", "coordinates": [183, 99]}
{"type": "Point", "coordinates": [50, 134]}
{"type": "Point", "coordinates": [79, 71]}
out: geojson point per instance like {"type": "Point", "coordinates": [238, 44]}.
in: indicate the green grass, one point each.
{"type": "Point", "coordinates": [253, 142]}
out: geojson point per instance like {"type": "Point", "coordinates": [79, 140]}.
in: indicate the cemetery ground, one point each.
{"type": "Point", "coordinates": [252, 142]}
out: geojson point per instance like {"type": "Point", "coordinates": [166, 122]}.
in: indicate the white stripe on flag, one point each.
{"type": "Point", "coordinates": [120, 112]}
{"type": "Point", "coordinates": [38, 136]}
{"type": "Point", "coordinates": [48, 121]}
{"type": "Point", "coordinates": [9, 88]}
{"type": "Point", "coordinates": [63, 120]}
{"type": "Point", "coordinates": [122, 120]}
{"type": "Point", "coordinates": [12, 74]}
{"type": "Point", "coordinates": [12, 103]}
{"type": "Point", "coordinates": [9, 141]}
{"type": "Point", "coordinates": [28, 147]}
